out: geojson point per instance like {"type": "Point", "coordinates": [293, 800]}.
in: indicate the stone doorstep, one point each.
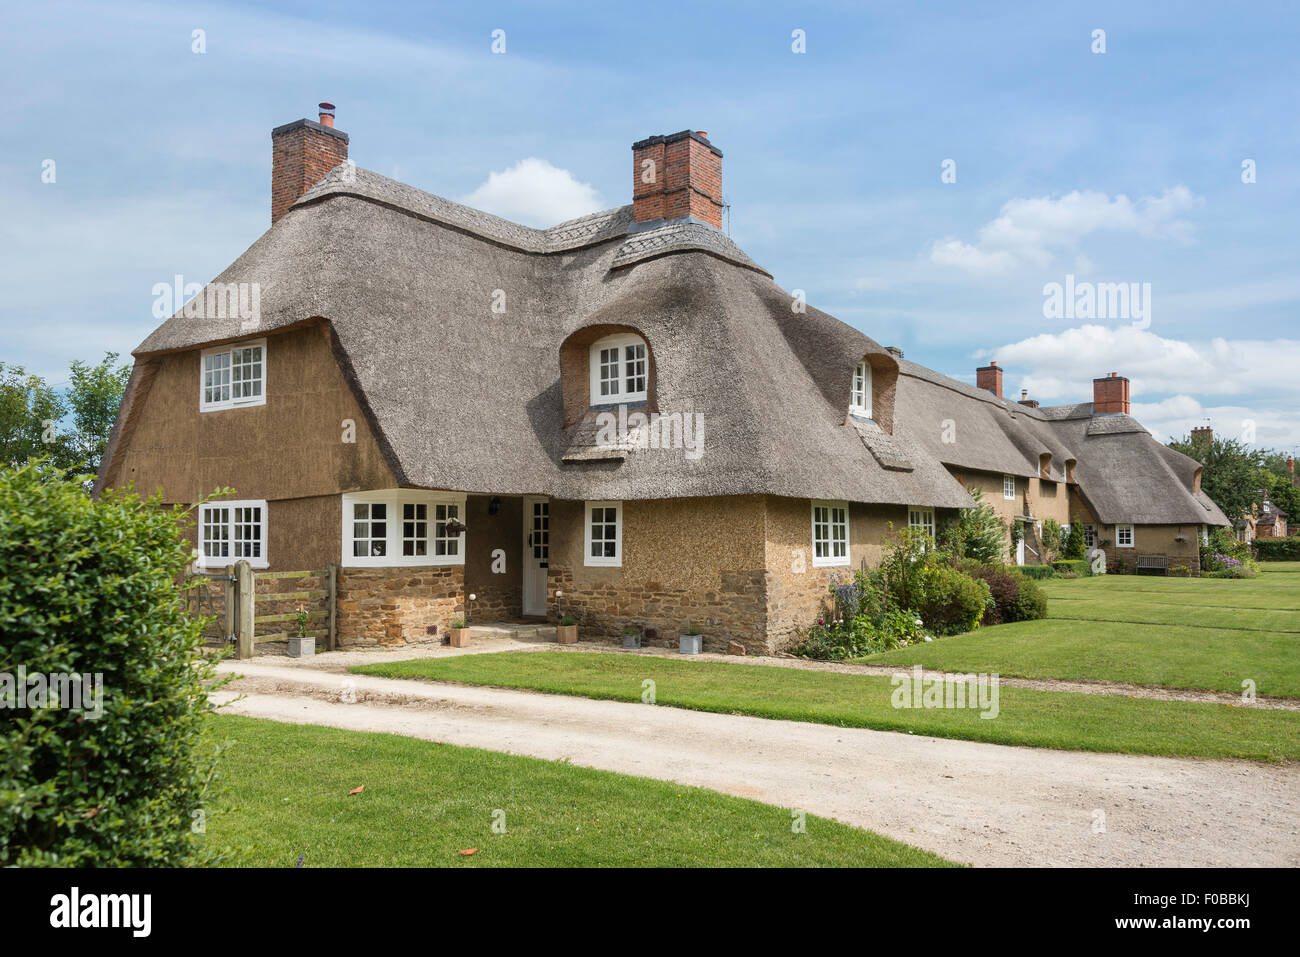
{"type": "Point", "coordinates": [510, 630]}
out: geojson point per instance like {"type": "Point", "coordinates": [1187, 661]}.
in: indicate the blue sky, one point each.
{"type": "Point", "coordinates": [1122, 166]}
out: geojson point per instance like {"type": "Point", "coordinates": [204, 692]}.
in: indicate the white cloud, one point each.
{"type": "Point", "coordinates": [535, 193]}
{"type": "Point", "coordinates": [1063, 363]}
{"type": "Point", "coordinates": [1031, 232]}
{"type": "Point", "coordinates": [1060, 367]}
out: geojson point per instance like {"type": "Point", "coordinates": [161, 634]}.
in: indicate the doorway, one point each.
{"type": "Point", "coordinates": [537, 553]}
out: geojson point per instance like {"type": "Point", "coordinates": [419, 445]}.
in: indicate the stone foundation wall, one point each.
{"type": "Point", "coordinates": [395, 606]}
{"type": "Point", "coordinates": [732, 610]}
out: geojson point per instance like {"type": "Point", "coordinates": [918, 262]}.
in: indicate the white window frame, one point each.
{"type": "Point", "coordinates": [206, 561]}
{"type": "Point", "coordinates": [1009, 488]}
{"type": "Point", "coordinates": [1132, 536]}
{"type": "Point", "coordinates": [394, 533]}
{"type": "Point", "coordinates": [1089, 535]}
{"type": "Point", "coordinates": [627, 369]}
{"type": "Point", "coordinates": [919, 516]}
{"type": "Point", "coordinates": [231, 403]}
{"type": "Point", "coordinates": [831, 522]}
{"type": "Point", "coordinates": [860, 398]}
{"type": "Point", "coordinates": [603, 561]}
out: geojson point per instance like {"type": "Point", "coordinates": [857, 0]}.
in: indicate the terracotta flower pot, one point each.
{"type": "Point", "coordinates": [459, 637]}
{"type": "Point", "coordinates": [566, 634]}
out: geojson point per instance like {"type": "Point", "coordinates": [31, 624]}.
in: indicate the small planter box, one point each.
{"type": "Point", "coordinates": [690, 644]}
{"type": "Point", "coordinates": [632, 641]}
{"type": "Point", "coordinates": [458, 637]}
{"type": "Point", "coordinates": [566, 634]}
{"type": "Point", "coordinates": [302, 647]}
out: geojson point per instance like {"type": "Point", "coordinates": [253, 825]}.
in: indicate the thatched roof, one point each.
{"type": "Point", "coordinates": [467, 398]}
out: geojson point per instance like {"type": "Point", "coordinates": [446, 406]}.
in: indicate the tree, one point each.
{"type": "Point", "coordinates": [1075, 544]}
{"type": "Point", "coordinates": [29, 415]}
{"type": "Point", "coordinates": [70, 430]}
{"type": "Point", "coordinates": [1231, 475]}
{"type": "Point", "coordinates": [94, 398]}
{"type": "Point", "coordinates": [977, 533]}
{"type": "Point", "coordinates": [1276, 479]}
{"type": "Point", "coordinates": [1051, 538]}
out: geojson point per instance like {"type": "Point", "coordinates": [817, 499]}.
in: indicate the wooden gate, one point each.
{"type": "Point", "coordinates": [231, 598]}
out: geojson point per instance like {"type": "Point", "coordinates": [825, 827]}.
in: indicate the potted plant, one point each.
{"type": "Point", "coordinates": [566, 632]}
{"type": "Point", "coordinates": [458, 636]}
{"type": "Point", "coordinates": [300, 645]}
{"type": "Point", "coordinates": [631, 636]}
{"type": "Point", "coordinates": [690, 642]}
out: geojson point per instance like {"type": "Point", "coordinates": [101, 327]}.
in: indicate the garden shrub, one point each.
{"type": "Point", "coordinates": [1079, 568]}
{"type": "Point", "coordinates": [953, 602]}
{"type": "Point", "coordinates": [1036, 571]}
{"type": "Point", "coordinates": [1030, 602]}
{"type": "Point", "coordinates": [90, 587]}
{"type": "Point", "coordinates": [1075, 546]}
{"type": "Point", "coordinates": [1278, 549]}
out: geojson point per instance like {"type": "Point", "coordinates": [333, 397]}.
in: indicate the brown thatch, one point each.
{"type": "Point", "coordinates": [469, 398]}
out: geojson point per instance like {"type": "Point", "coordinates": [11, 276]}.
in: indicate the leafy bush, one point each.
{"type": "Point", "coordinates": [1079, 568]}
{"type": "Point", "coordinates": [1075, 547]}
{"type": "Point", "coordinates": [1014, 596]}
{"type": "Point", "coordinates": [952, 602]}
{"type": "Point", "coordinates": [1030, 603]}
{"type": "Point", "coordinates": [90, 588]}
{"type": "Point", "coordinates": [1052, 537]}
{"type": "Point", "coordinates": [1036, 571]}
{"type": "Point", "coordinates": [1278, 549]}
{"type": "Point", "coordinates": [1220, 546]}
{"type": "Point", "coordinates": [977, 533]}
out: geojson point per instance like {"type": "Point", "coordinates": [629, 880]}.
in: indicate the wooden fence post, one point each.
{"type": "Point", "coordinates": [333, 598]}
{"type": "Point", "coordinates": [232, 609]}
{"type": "Point", "coordinates": [244, 588]}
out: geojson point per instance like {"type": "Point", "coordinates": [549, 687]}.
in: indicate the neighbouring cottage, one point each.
{"type": "Point", "coordinates": [622, 417]}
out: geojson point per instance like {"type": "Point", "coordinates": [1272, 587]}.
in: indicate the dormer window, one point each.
{"type": "Point", "coordinates": [620, 369]}
{"type": "Point", "coordinates": [860, 400]}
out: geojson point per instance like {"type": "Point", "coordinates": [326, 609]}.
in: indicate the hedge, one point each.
{"type": "Point", "coordinates": [1036, 571]}
{"type": "Point", "coordinates": [1278, 549]}
{"type": "Point", "coordinates": [1080, 568]}
{"type": "Point", "coordinates": [89, 588]}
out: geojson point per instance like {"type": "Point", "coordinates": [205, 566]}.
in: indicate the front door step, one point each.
{"type": "Point", "coordinates": [519, 632]}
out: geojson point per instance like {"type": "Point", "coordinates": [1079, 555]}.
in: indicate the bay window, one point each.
{"type": "Point", "coordinates": [403, 527]}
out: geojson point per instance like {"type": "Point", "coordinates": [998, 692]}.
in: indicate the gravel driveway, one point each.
{"type": "Point", "coordinates": [984, 804]}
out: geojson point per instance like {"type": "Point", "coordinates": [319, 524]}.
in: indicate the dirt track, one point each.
{"type": "Point", "coordinates": [980, 803]}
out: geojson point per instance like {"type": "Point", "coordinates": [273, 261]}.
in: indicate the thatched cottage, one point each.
{"type": "Point", "coordinates": [622, 417]}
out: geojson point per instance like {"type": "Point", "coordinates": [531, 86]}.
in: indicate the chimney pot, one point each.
{"type": "Point", "coordinates": [1110, 395]}
{"type": "Point", "coordinates": [677, 176]}
{"type": "Point", "coordinates": [989, 377]}
{"type": "Point", "coordinates": [302, 153]}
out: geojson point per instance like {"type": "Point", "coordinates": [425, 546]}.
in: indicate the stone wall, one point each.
{"type": "Point", "coordinates": [797, 592]}
{"type": "Point", "coordinates": [394, 606]}
{"type": "Point", "coordinates": [685, 561]}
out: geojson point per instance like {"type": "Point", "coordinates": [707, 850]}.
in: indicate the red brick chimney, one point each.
{"type": "Point", "coordinates": [990, 377]}
{"type": "Point", "coordinates": [1110, 395]}
{"type": "Point", "coordinates": [1025, 400]}
{"type": "Point", "coordinates": [302, 153]}
{"type": "Point", "coordinates": [677, 176]}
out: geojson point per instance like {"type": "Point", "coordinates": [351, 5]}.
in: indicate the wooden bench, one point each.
{"type": "Point", "coordinates": [1153, 563]}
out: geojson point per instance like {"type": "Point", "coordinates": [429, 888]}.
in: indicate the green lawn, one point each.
{"type": "Point", "coordinates": [1176, 632]}
{"type": "Point", "coordinates": [284, 793]}
{"type": "Point", "coordinates": [1035, 718]}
